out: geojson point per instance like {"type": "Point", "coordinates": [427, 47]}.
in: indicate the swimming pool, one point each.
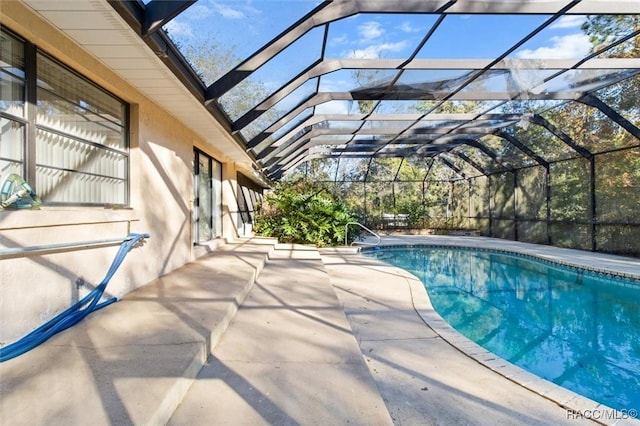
{"type": "Point", "coordinates": [576, 328]}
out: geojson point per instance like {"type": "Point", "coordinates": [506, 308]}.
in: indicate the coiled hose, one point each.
{"type": "Point", "coordinates": [75, 313]}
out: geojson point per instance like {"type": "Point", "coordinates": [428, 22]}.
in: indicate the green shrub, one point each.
{"type": "Point", "coordinates": [306, 213]}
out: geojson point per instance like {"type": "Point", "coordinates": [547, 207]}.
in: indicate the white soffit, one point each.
{"type": "Point", "coordinates": [97, 27]}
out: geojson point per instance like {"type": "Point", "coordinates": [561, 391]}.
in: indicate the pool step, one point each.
{"type": "Point", "coordinates": [288, 357]}
{"type": "Point", "coordinates": [133, 362]}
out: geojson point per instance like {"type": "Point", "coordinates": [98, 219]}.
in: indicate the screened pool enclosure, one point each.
{"type": "Point", "coordinates": [514, 119]}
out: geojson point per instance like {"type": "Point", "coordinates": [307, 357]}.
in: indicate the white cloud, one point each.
{"type": "Point", "coordinates": [565, 47]}
{"type": "Point", "coordinates": [252, 10]}
{"type": "Point", "coordinates": [338, 41]}
{"type": "Point", "coordinates": [369, 53]}
{"type": "Point", "coordinates": [568, 21]}
{"type": "Point", "coordinates": [408, 28]}
{"type": "Point", "coordinates": [333, 107]}
{"type": "Point", "coordinates": [335, 84]}
{"type": "Point", "coordinates": [370, 30]}
{"type": "Point", "coordinates": [179, 29]}
{"type": "Point", "coordinates": [228, 12]}
{"type": "Point", "coordinates": [199, 11]}
{"type": "Point", "coordinates": [375, 51]}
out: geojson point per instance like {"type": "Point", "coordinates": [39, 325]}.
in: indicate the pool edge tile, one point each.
{"type": "Point", "coordinates": [559, 395]}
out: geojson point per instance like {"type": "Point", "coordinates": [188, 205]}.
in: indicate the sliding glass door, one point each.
{"type": "Point", "coordinates": [207, 199]}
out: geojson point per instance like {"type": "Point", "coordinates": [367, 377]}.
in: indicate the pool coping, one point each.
{"type": "Point", "coordinates": [579, 406]}
{"type": "Point", "coordinates": [598, 272]}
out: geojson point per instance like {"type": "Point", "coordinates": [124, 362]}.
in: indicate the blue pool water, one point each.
{"type": "Point", "coordinates": [578, 329]}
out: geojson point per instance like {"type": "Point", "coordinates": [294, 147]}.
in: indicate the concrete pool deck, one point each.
{"type": "Point", "coordinates": [425, 372]}
{"type": "Point", "coordinates": [259, 333]}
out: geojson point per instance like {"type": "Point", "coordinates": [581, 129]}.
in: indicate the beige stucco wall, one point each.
{"type": "Point", "coordinates": [35, 288]}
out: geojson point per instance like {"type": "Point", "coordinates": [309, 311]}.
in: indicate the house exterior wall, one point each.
{"type": "Point", "coordinates": [36, 287]}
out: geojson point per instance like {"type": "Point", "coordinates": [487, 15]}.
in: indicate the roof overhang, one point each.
{"type": "Point", "coordinates": [150, 64]}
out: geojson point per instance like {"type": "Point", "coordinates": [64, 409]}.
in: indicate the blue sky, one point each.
{"type": "Point", "coordinates": [248, 24]}
{"type": "Point", "coordinates": [244, 24]}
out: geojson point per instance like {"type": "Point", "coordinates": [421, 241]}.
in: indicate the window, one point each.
{"type": "Point", "coordinates": [65, 135]}
{"type": "Point", "coordinates": [12, 83]}
{"type": "Point", "coordinates": [208, 200]}
{"type": "Point", "coordinates": [249, 198]}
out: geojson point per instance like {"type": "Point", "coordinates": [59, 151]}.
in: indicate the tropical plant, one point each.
{"type": "Point", "coordinates": [304, 212]}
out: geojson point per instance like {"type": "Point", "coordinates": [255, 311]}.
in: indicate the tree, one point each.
{"type": "Point", "coordinates": [211, 60]}
{"type": "Point", "coordinates": [606, 29]}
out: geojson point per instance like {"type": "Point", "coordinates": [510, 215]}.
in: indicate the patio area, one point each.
{"type": "Point", "coordinates": [514, 121]}
{"type": "Point", "coordinates": [296, 335]}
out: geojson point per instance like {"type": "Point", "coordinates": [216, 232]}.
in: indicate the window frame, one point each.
{"type": "Point", "coordinates": [31, 126]}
